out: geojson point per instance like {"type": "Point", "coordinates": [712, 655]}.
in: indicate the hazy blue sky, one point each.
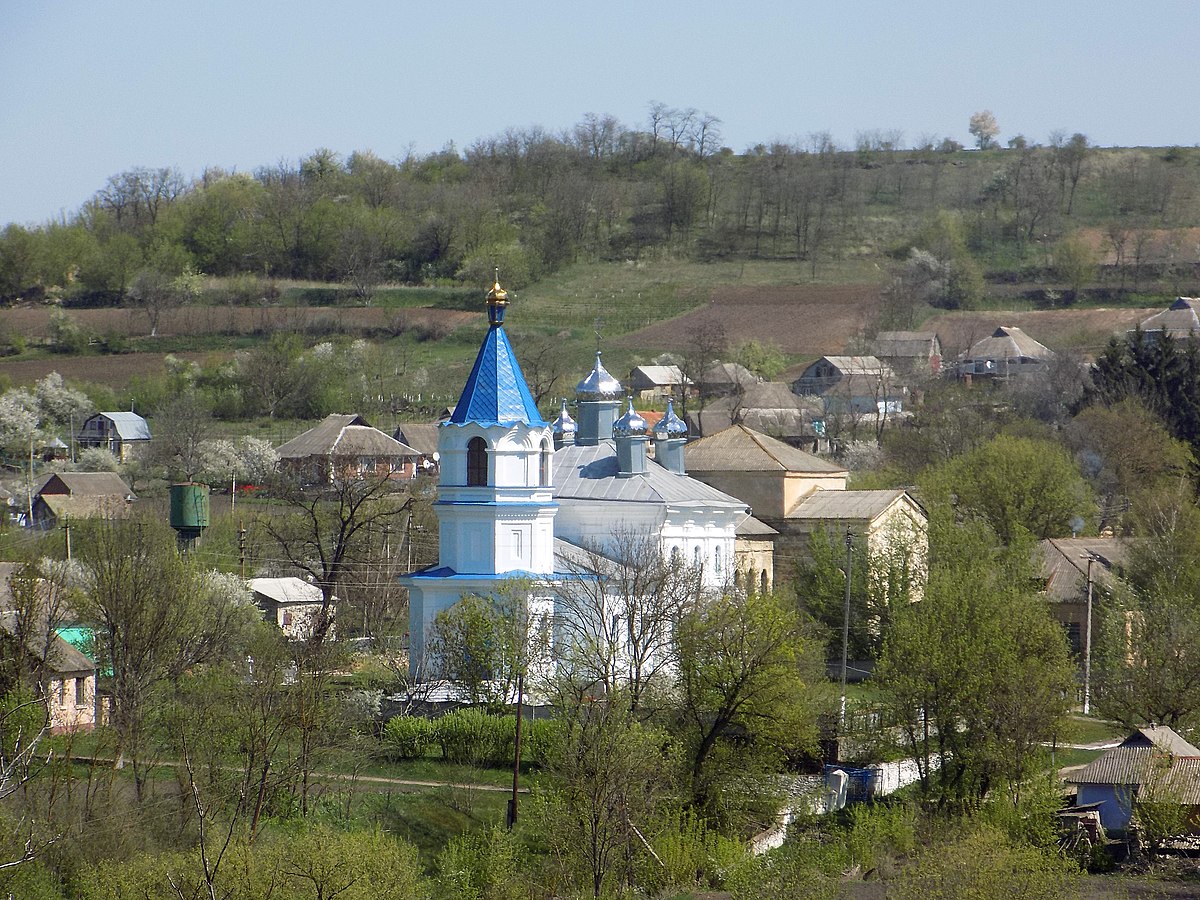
{"type": "Point", "coordinates": [89, 88]}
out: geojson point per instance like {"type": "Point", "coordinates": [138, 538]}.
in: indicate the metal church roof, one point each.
{"type": "Point", "coordinates": [496, 392]}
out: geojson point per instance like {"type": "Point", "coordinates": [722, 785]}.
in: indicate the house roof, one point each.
{"type": "Point", "coordinates": [1133, 760]}
{"type": "Point", "coordinates": [64, 506]}
{"type": "Point", "coordinates": [496, 392]}
{"type": "Point", "coordinates": [421, 436]}
{"type": "Point", "coordinates": [1180, 319]}
{"type": "Point", "coordinates": [60, 657]}
{"type": "Point", "coordinates": [905, 344]}
{"type": "Point", "coordinates": [1064, 564]}
{"type": "Point", "coordinates": [83, 484]}
{"type": "Point", "coordinates": [1008, 342]}
{"type": "Point", "coordinates": [742, 449]}
{"type": "Point", "coordinates": [845, 505]}
{"type": "Point", "coordinates": [663, 376]}
{"type": "Point", "coordinates": [751, 527]}
{"type": "Point", "coordinates": [722, 373]}
{"type": "Point", "coordinates": [853, 365]}
{"type": "Point", "coordinates": [129, 426]}
{"type": "Point", "coordinates": [769, 407]}
{"type": "Point", "coordinates": [591, 473]}
{"type": "Point", "coordinates": [286, 590]}
{"type": "Point", "coordinates": [344, 435]}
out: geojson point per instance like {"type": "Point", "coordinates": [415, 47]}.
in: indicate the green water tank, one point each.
{"type": "Point", "coordinates": [189, 507]}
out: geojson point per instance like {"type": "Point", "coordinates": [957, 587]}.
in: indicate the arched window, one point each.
{"type": "Point", "coordinates": [717, 567]}
{"type": "Point", "coordinates": [544, 474]}
{"type": "Point", "coordinates": [696, 557]}
{"type": "Point", "coordinates": [477, 464]}
{"type": "Point", "coordinates": [762, 581]}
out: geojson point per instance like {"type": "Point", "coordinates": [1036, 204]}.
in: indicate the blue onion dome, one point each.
{"type": "Point", "coordinates": [670, 425]}
{"type": "Point", "coordinates": [564, 424]}
{"type": "Point", "coordinates": [630, 424]}
{"type": "Point", "coordinates": [599, 384]}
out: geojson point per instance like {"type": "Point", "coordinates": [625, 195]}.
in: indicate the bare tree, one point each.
{"type": "Point", "coordinates": [324, 533]}
{"type": "Point", "coordinates": [618, 614]}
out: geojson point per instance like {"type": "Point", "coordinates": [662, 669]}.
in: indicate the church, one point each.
{"type": "Point", "coordinates": [520, 497]}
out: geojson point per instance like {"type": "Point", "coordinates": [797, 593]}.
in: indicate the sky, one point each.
{"type": "Point", "coordinates": [91, 88]}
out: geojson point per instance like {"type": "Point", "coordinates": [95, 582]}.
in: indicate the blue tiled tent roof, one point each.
{"type": "Point", "coordinates": [495, 392]}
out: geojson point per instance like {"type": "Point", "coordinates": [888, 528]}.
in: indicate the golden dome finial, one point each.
{"type": "Point", "coordinates": [497, 300]}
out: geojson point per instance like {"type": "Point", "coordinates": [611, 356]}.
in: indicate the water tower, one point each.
{"type": "Point", "coordinates": [189, 511]}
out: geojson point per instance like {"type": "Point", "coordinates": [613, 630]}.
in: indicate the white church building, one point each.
{"type": "Point", "coordinates": [518, 497]}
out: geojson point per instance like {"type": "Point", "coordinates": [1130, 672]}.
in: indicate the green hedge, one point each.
{"type": "Point", "coordinates": [408, 737]}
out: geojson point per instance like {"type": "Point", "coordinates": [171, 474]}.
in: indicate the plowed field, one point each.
{"type": "Point", "coordinates": [803, 320]}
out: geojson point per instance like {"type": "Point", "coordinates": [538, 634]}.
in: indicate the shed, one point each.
{"type": "Point", "coordinates": [1152, 763]}
{"type": "Point", "coordinates": [291, 603]}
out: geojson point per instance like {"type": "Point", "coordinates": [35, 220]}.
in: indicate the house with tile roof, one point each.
{"type": "Point", "coordinates": [346, 445]}
{"type": "Point", "coordinates": [120, 433]}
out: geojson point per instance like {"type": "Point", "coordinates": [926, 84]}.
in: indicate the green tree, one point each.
{"type": "Point", "coordinates": [1017, 486]}
{"type": "Point", "coordinates": [750, 678]}
{"type": "Point", "coordinates": [480, 644]}
{"type": "Point", "coordinates": [155, 617]}
{"type": "Point", "coordinates": [1144, 669]}
{"type": "Point", "coordinates": [977, 674]}
{"type": "Point", "coordinates": [1075, 264]}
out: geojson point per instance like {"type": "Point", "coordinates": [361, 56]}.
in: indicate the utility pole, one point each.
{"type": "Point", "coordinates": [242, 548]}
{"type": "Point", "coordinates": [1087, 640]}
{"type": "Point", "coordinates": [512, 803]}
{"type": "Point", "coordinates": [67, 533]}
{"type": "Point", "coordinates": [846, 621]}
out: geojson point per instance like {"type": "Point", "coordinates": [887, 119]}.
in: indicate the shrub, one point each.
{"type": "Point", "coordinates": [542, 740]}
{"type": "Point", "coordinates": [408, 737]}
{"type": "Point", "coordinates": [472, 736]}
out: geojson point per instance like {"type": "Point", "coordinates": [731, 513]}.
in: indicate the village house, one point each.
{"type": "Point", "coordinates": [721, 378]}
{"type": "Point", "coordinates": [853, 385]}
{"type": "Point", "coordinates": [1007, 353]}
{"type": "Point", "coordinates": [769, 407]}
{"type": "Point", "coordinates": [1153, 763]}
{"type": "Point", "coordinates": [292, 604]}
{"type": "Point", "coordinates": [346, 446]}
{"type": "Point", "coordinates": [422, 437]}
{"type": "Point", "coordinates": [80, 495]}
{"type": "Point", "coordinates": [909, 352]}
{"type": "Point", "coordinates": [1065, 571]}
{"type": "Point", "coordinates": [657, 383]}
{"type": "Point", "coordinates": [65, 677]}
{"type": "Point", "coordinates": [1180, 321]}
{"type": "Point", "coordinates": [120, 433]}
{"type": "Point", "coordinates": [798, 494]}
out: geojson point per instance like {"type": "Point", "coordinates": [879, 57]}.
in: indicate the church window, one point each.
{"type": "Point", "coordinates": [544, 480]}
{"type": "Point", "coordinates": [696, 557]}
{"type": "Point", "coordinates": [477, 464]}
{"type": "Point", "coordinates": [717, 560]}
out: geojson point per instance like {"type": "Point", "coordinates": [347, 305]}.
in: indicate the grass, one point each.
{"type": "Point", "coordinates": [1089, 730]}
{"type": "Point", "coordinates": [1068, 756]}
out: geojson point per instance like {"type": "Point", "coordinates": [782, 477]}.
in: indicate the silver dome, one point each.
{"type": "Point", "coordinates": [630, 424]}
{"type": "Point", "coordinates": [564, 424]}
{"type": "Point", "coordinates": [670, 425]}
{"type": "Point", "coordinates": [599, 384]}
